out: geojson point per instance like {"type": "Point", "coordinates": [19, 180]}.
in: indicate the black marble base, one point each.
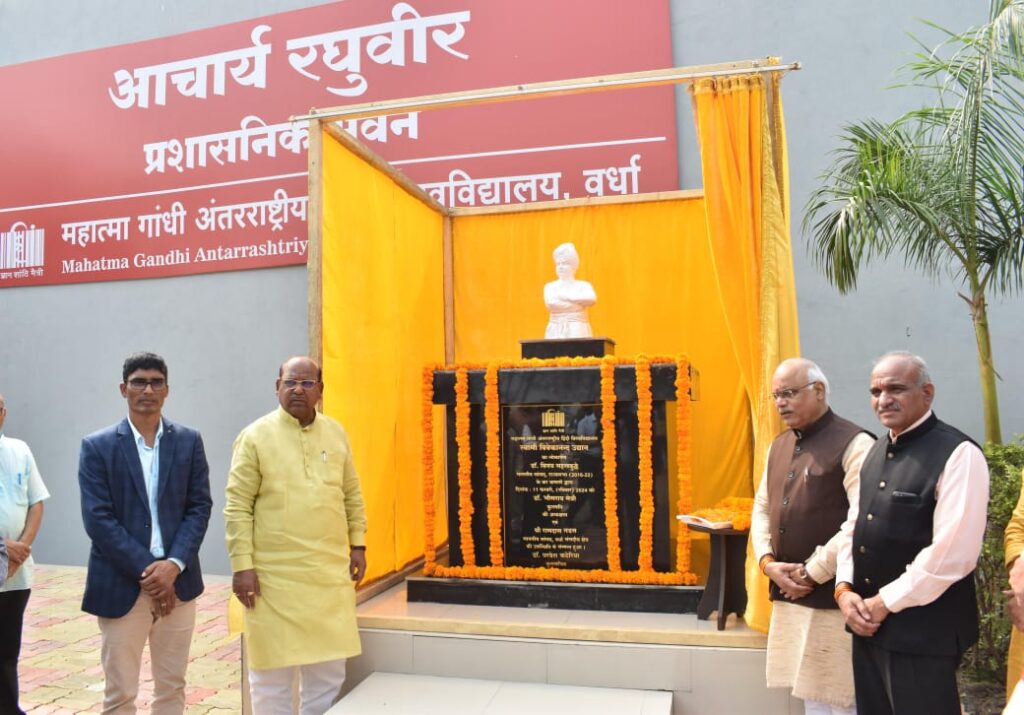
{"type": "Point", "coordinates": [567, 347]}
{"type": "Point", "coordinates": [541, 594]}
{"type": "Point", "coordinates": [554, 387]}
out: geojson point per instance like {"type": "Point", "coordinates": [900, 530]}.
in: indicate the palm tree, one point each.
{"type": "Point", "coordinates": [941, 185]}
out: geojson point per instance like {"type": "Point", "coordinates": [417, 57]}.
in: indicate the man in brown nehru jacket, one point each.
{"type": "Point", "coordinates": [905, 578]}
{"type": "Point", "coordinates": [811, 478]}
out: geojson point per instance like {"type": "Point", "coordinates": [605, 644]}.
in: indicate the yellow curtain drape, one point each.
{"type": "Point", "coordinates": [651, 267]}
{"type": "Point", "coordinates": [383, 320]}
{"type": "Point", "coordinates": [743, 159]}
{"type": "Point", "coordinates": [711, 277]}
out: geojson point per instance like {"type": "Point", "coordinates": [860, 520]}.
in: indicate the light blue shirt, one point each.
{"type": "Point", "coordinates": [150, 459]}
{"type": "Point", "coordinates": [20, 487]}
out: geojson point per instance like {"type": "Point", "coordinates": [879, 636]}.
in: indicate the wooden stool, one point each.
{"type": "Point", "coordinates": [725, 591]}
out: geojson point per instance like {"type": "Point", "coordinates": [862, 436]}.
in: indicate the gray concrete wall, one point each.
{"type": "Point", "coordinates": [850, 52]}
{"type": "Point", "coordinates": [224, 334]}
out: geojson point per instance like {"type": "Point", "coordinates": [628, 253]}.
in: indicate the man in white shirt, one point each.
{"type": "Point", "coordinates": [905, 573]}
{"type": "Point", "coordinates": [22, 493]}
{"type": "Point", "coordinates": [146, 503]}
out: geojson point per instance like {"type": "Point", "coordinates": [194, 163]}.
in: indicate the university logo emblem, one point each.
{"type": "Point", "coordinates": [21, 247]}
{"type": "Point", "coordinates": [552, 418]}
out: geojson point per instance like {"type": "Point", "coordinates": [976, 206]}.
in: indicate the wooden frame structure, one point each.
{"type": "Point", "coordinates": [324, 120]}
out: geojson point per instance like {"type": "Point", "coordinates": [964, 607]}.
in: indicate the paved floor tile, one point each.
{"type": "Point", "coordinates": [60, 671]}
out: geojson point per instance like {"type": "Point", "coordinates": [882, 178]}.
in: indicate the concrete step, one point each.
{"type": "Point", "coordinates": [707, 671]}
{"type": "Point", "coordinates": [403, 694]}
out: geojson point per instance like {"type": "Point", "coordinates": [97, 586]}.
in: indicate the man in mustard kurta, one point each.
{"type": "Point", "coordinates": [1013, 547]}
{"type": "Point", "coordinates": [296, 529]}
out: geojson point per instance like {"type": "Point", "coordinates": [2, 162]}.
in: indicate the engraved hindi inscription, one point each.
{"type": "Point", "coordinates": [553, 486]}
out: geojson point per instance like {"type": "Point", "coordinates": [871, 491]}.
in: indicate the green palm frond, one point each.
{"type": "Point", "coordinates": [943, 185]}
{"type": "Point", "coordinates": [882, 195]}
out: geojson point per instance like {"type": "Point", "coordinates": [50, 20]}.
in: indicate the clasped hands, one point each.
{"type": "Point", "coordinates": [791, 578]}
{"type": "Point", "coordinates": [862, 615]}
{"type": "Point", "coordinates": [17, 553]}
{"type": "Point", "coordinates": [157, 582]}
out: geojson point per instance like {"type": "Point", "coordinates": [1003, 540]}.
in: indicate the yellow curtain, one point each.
{"type": "Point", "coordinates": [651, 267]}
{"type": "Point", "coordinates": [743, 159]}
{"type": "Point", "coordinates": [711, 277]}
{"type": "Point", "coordinates": [383, 320]}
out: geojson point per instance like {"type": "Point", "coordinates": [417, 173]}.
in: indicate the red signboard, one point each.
{"type": "Point", "coordinates": [176, 155]}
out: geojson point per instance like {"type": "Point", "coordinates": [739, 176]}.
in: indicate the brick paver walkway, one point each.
{"type": "Point", "coordinates": [60, 656]}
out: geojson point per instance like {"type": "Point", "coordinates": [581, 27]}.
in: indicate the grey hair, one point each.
{"type": "Point", "coordinates": [813, 372]}
{"type": "Point", "coordinates": [816, 374]}
{"type": "Point", "coordinates": [924, 377]}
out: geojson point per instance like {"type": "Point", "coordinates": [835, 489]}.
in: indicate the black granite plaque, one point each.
{"type": "Point", "coordinates": [525, 394]}
{"type": "Point", "coordinates": [553, 486]}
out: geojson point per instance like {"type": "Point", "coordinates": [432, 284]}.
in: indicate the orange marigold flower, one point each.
{"type": "Point", "coordinates": [465, 468]}
{"type": "Point", "coordinates": [614, 573]}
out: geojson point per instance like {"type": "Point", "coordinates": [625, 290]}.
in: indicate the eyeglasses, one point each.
{"type": "Point", "coordinates": [139, 384]}
{"type": "Point", "coordinates": [292, 384]}
{"type": "Point", "coordinates": [791, 392]}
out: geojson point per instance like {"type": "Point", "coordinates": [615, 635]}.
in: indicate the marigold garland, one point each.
{"type": "Point", "coordinates": [684, 465]}
{"type": "Point", "coordinates": [733, 509]}
{"type": "Point", "coordinates": [523, 573]}
{"type": "Point", "coordinates": [609, 448]}
{"type": "Point", "coordinates": [492, 419]}
{"type": "Point", "coordinates": [429, 547]}
{"type": "Point", "coordinates": [614, 574]}
{"type": "Point", "coordinates": [465, 467]}
{"type": "Point", "coordinates": [645, 469]}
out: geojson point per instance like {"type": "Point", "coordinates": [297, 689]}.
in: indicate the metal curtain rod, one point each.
{"type": "Point", "coordinates": [673, 75]}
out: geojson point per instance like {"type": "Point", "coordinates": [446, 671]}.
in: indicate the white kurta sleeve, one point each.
{"type": "Point", "coordinates": [958, 527]}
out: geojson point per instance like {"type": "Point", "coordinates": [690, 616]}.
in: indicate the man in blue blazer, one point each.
{"type": "Point", "coordinates": [145, 504]}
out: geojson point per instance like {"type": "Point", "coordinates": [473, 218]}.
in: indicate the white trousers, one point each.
{"type": "Point", "coordinates": [319, 686]}
{"type": "Point", "coordinates": [1016, 704]}
{"type": "Point", "coordinates": [813, 707]}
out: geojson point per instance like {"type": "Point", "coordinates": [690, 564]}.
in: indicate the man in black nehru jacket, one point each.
{"type": "Point", "coordinates": [905, 574]}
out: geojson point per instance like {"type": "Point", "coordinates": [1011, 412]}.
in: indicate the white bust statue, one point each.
{"type": "Point", "coordinates": [567, 299]}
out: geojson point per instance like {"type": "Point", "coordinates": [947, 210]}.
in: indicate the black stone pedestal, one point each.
{"type": "Point", "coordinates": [537, 594]}
{"type": "Point", "coordinates": [726, 588]}
{"type": "Point", "coordinates": [567, 347]}
{"type": "Point", "coordinates": [552, 481]}
{"type": "Point", "coordinates": [527, 395]}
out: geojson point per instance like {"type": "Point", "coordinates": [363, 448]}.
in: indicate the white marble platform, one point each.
{"type": "Point", "coordinates": [401, 694]}
{"type": "Point", "coordinates": [391, 610]}
{"type": "Point", "coordinates": [707, 671]}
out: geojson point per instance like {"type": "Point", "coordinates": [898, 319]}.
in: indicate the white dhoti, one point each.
{"type": "Point", "coordinates": [809, 651]}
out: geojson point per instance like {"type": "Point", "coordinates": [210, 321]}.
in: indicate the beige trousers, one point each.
{"type": "Point", "coordinates": [169, 640]}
